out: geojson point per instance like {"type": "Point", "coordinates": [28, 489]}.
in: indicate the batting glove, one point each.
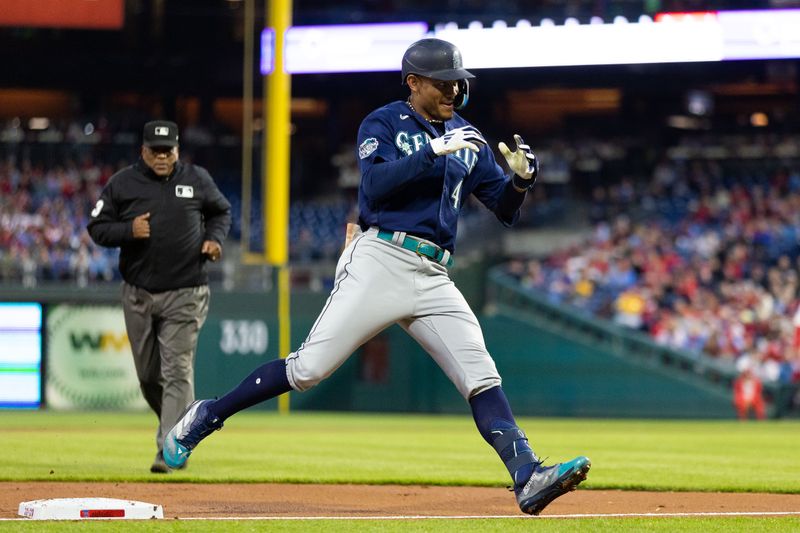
{"type": "Point", "coordinates": [458, 139]}
{"type": "Point", "coordinates": [522, 161]}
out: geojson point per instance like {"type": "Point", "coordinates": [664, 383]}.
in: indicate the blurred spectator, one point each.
{"type": "Point", "coordinates": [748, 394]}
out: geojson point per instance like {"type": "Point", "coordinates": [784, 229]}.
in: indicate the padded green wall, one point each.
{"type": "Point", "coordinates": [544, 373]}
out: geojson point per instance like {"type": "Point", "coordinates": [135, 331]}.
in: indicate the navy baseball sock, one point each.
{"type": "Point", "coordinates": [265, 382]}
{"type": "Point", "coordinates": [496, 424]}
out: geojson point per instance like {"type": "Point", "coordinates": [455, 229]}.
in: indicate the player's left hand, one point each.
{"type": "Point", "coordinates": [212, 250]}
{"type": "Point", "coordinates": [522, 161]}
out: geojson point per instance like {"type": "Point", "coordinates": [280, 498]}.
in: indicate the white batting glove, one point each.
{"type": "Point", "coordinates": [522, 161]}
{"type": "Point", "coordinates": [458, 139]}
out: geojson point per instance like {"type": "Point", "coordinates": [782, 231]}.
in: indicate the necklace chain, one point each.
{"type": "Point", "coordinates": [430, 120]}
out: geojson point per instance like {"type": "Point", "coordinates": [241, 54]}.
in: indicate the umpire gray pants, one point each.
{"type": "Point", "coordinates": [162, 329]}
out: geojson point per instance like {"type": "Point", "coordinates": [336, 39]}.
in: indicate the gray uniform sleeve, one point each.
{"type": "Point", "coordinates": [105, 228]}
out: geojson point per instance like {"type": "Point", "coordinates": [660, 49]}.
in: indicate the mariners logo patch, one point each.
{"type": "Point", "coordinates": [184, 191]}
{"type": "Point", "coordinates": [367, 147]}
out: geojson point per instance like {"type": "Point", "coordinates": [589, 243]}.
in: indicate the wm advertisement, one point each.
{"type": "Point", "coordinates": [89, 361]}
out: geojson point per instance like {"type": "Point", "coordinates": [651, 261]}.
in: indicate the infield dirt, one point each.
{"type": "Point", "coordinates": [184, 500]}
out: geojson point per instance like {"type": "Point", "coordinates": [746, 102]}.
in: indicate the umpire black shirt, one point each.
{"type": "Point", "coordinates": [186, 208]}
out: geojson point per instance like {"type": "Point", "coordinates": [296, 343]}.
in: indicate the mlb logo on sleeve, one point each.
{"type": "Point", "coordinates": [184, 191]}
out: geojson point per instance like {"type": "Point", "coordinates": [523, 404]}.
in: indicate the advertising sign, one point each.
{"type": "Point", "coordinates": [20, 355]}
{"type": "Point", "coordinates": [84, 14]}
{"type": "Point", "coordinates": [89, 361]}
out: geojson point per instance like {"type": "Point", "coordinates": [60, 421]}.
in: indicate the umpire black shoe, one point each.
{"type": "Point", "coordinates": [159, 466]}
{"type": "Point", "coordinates": [549, 482]}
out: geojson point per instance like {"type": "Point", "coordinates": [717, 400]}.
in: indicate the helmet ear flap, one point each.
{"type": "Point", "coordinates": [462, 98]}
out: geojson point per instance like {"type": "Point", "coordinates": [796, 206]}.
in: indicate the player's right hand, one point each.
{"type": "Point", "coordinates": [458, 139]}
{"type": "Point", "coordinates": [141, 226]}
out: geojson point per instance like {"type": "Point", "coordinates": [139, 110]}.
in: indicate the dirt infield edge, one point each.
{"type": "Point", "coordinates": [182, 500]}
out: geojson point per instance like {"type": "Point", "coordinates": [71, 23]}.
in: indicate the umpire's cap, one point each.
{"type": "Point", "coordinates": [434, 58]}
{"type": "Point", "coordinates": [160, 133]}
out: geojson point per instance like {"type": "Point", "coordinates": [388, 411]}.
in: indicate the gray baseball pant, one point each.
{"type": "Point", "coordinates": [162, 329]}
{"type": "Point", "coordinates": [378, 284]}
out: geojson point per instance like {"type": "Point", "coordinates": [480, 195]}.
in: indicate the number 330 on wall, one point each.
{"type": "Point", "coordinates": [243, 337]}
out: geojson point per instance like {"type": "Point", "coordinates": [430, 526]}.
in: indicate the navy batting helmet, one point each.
{"type": "Point", "coordinates": [440, 60]}
{"type": "Point", "coordinates": [434, 58]}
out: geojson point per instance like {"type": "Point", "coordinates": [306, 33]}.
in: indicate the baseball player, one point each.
{"type": "Point", "coordinates": [419, 161]}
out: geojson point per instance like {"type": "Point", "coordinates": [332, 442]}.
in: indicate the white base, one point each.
{"type": "Point", "coordinates": [89, 509]}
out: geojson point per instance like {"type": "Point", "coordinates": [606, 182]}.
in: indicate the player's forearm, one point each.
{"type": "Point", "coordinates": [508, 205]}
{"type": "Point", "coordinates": [379, 180]}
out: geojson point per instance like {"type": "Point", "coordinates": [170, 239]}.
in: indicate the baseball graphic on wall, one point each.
{"type": "Point", "coordinates": [89, 363]}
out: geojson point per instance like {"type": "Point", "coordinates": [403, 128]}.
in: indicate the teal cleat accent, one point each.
{"type": "Point", "coordinates": [195, 424]}
{"type": "Point", "coordinates": [549, 482]}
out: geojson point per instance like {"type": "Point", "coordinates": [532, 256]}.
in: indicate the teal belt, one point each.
{"type": "Point", "coordinates": [418, 246]}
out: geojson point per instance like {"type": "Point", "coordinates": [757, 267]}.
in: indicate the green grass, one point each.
{"type": "Point", "coordinates": [406, 449]}
{"type": "Point", "coordinates": [442, 450]}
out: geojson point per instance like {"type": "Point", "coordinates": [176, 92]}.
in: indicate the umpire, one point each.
{"type": "Point", "coordinates": [168, 218]}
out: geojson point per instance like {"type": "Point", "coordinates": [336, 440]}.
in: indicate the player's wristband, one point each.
{"type": "Point", "coordinates": [522, 183]}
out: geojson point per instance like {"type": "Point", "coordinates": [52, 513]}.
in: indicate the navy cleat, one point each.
{"type": "Point", "coordinates": [194, 425]}
{"type": "Point", "coordinates": [549, 482]}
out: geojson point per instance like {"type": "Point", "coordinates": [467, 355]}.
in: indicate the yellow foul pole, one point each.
{"type": "Point", "coordinates": [275, 168]}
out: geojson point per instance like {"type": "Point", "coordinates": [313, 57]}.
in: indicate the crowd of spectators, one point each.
{"type": "Point", "coordinates": [44, 210]}
{"type": "Point", "coordinates": [703, 255]}
{"type": "Point", "coordinates": [43, 216]}
{"type": "Point", "coordinates": [52, 173]}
